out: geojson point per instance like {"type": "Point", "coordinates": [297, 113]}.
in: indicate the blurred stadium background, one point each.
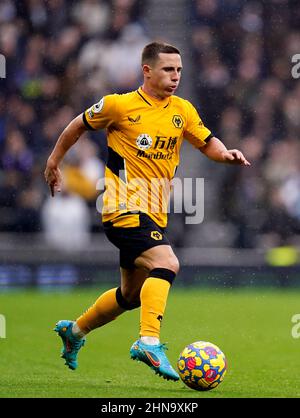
{"type": "Point", "coordinates": [62, 56]}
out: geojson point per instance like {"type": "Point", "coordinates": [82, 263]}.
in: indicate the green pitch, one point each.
{"type": "Point", "coordinates": [252, 327]}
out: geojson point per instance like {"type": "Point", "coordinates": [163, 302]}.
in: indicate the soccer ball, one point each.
{"type": "Point", "coordinates": [202, 365]}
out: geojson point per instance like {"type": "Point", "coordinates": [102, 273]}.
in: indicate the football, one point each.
{"type": "Point", "coordinates": [202, 365]}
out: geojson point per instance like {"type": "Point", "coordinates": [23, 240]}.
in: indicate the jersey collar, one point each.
{"type": "Point", "coordinates": [152, 101]}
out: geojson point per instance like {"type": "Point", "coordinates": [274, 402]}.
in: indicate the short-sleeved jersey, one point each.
{"type": "Point", "coordinates": [144, 136]}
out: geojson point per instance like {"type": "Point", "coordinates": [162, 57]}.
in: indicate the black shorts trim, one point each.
{"type": "Point", "coordinates": [132, 242]}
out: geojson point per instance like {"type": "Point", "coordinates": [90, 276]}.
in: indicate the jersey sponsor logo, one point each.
{"type": "Point", "coordinates": [134, 120]}
{"type": "Point", "coordinates": [156, 235]}
{"type": "Point", "coordinates": [144, 141]}
{"type": "Point", "coordinates": [155, 155]}
{"type": "Point", "coordinates": [96, 108]}
{"type": "Point", "coordinates": [177, 121]}
{"type": "Point", "coordinates": [163, 142]}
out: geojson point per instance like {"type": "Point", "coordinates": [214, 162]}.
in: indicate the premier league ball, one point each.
{"type": "Point", "coordinates": [202, 365]}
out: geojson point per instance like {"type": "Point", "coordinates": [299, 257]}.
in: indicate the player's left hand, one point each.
{"type": "Point", "coordinates": [234, 156]}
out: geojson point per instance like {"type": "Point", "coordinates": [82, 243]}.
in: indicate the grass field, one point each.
{"type": "Point", "coordinates": [253, 328]}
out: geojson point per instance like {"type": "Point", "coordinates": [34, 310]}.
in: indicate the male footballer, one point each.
{"type": "Point", "coordinates": [145, 130]}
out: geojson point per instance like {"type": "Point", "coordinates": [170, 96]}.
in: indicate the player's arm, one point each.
{"type": "Point", "coordinates": [215, 150]}
{"type": "Point", "coordinates": [69, 136]}
{"type": "Point", "coordinates": [202, 138]}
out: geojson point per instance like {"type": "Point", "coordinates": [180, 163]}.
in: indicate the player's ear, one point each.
{"type": "Point", "coordinates": [146, 70]}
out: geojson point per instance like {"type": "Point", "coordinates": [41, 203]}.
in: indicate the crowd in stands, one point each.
{"type": "Point", "coordinates": [243, 60]}
{"type": "Point", "coordinates": [62, 56]}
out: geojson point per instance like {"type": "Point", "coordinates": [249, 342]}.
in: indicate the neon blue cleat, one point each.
{"type": "Point", "coordinates": [71, 344]}
{"type": "Point", "coordinates": [154, 356]}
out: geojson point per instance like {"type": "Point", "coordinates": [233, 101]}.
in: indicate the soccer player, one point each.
{"type": "Point", "coordinates": [145, 130]}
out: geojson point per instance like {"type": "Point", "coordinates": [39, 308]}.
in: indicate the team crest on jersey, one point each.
{"type": "Point", "coordinates": [177, 121]}
{"type": "Point", "coordinates": [156, 235]}
{"type": "Point", "coordinates": [96, 108]}
{"type": "Point", "coordinates": [144, 141]}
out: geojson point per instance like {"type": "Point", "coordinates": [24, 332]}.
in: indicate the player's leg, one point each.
{"type": "Point", "coordinates": [113, 302]}
{"type": "Point", "coordinates": [132, 280]}
{"type": "Point", "coordinates": [162, 266]}
{"type": "Point", "coordinates": [106, 308]}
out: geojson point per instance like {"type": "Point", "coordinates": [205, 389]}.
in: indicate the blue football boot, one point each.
{"type": "Point", "coordinates": [71, 344]}
{"type": "Point", "coordinates": [154, 356]}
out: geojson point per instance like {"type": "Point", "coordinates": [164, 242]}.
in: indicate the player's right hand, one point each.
{"type": "Point", "coordinates": [234, 156]}
{"type": "Point", "coordinates": [53, 177]}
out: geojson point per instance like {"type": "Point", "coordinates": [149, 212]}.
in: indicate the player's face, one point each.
{"type": "Point", "coordinates": [164, 75]}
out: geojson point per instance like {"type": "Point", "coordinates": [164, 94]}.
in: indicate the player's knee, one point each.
{"type": "Point", "coordinates": [166, 271]}
{"type": "Point", "coordinates": [174, 265]}
{"type": "Point", "coordinates": [170, 263]}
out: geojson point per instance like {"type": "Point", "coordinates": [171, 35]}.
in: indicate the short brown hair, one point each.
{"type": "Point", "coordinates": [151, 51]}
